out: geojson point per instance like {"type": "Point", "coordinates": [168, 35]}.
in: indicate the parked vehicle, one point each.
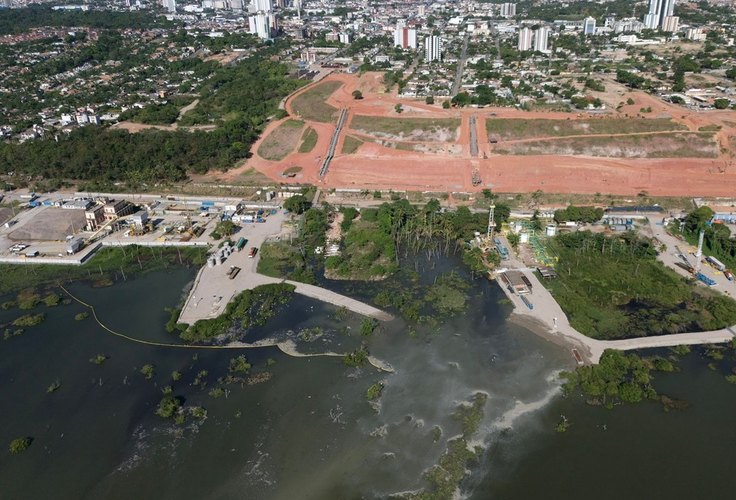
{"type": "Point", "coordinates": [716, 263]}
{"type": "Point", "coordinates": [252, 252]}
{"type": "Point", "coordinates": [702, 277]}
{"type": "Point", "coordinates": [233, 272]}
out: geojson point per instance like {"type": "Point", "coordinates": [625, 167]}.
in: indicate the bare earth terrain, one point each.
{"type": "Point", "coordinates": [670, 151]}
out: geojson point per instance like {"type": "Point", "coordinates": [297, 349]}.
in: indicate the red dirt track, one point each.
{"type": "Point", "coordinates": [374, 166]}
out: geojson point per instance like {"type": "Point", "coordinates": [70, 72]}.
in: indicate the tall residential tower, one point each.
{"type": "Point", "coordinates": [659, 10]}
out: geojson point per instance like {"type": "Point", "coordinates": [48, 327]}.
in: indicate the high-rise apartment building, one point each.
{"type": "Point", "coordinates": [405, 37]}
{"type": "Point", "coordinates": [262, 5]}
{"type": "Point", "coordinates": [432, 48]}
{"type": "Point", "coordinates": [541, 35]}
{"type": "Point", "coordinates": [262, 24]}
{"type": "Point", "coordinates": [671, 23]}
{"type": "Point", "coordinates": [589, 26]}
{"type": "Point", "coordinates": [508, 10]}
{"type": "Point", "coordinates": [658, 11]}
{"type": "Point", "coordinates": [525, 39]}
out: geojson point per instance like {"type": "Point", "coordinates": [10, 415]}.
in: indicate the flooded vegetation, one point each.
{"type": "Point", "coordinates": [441, 402]}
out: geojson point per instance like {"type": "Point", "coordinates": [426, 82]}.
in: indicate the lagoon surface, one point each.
{"type": "Point", "coordinates": [309, 431]}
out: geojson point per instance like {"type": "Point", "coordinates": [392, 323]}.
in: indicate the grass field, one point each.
{"type": "Point", "coordinates": [674, 145]}
{"type": "Point", "coordinates": [311, 105]}
{"type": "Point", "coordinates": [421, 129]}
{"type": "Point", "coordinates": [309, 140]}
{"type": "Point", "coordinates": [351, 145]}
{"type": "Point", "coordinates": [519, 128]}
{"type": "Point", "coordinates": [282, 141]}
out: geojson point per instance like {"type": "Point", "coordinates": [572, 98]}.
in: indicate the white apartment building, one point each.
{"type": "Point", "coordinates": [525, 39]}
{"type": "Point", "coordinates": [432, 48]}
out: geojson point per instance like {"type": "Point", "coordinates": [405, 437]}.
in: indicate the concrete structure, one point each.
{"type": "Point", "coordinates": [139, 219]}
{"type": "Point", "coordinates": [507, 10]}
{"type": "Point", "coordinates": [589, 26]}
{"type": "Point", "coordinates": [169, 5]}
{"type": "Point", "coordinates": [658, 11]}
{"type": "Point", "coordinates": [405, 37]}
{"type": "Point", "coordinates": [115, 209]}
{"type": "Point", "coordinates": [671, 24]}
{"type": "Point", "coordinates": [525, 39]}
{"type": "Point", "coordinates": [432, 48]}
{"type": "Point", "coordinates": [94, 217]}
{"type": "Point", "coordinates": [540, 39]}
{"type": "Point", "coordinates": [262, 5]}
{"type": "Point", "coordinates": [695, 34]}
{"type": "Point", "coordinates": [261, 24]}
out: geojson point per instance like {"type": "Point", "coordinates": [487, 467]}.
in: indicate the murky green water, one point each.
{"type": "Point", "coordinates": [309, 431]}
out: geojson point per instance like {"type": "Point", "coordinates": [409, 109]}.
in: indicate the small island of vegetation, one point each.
{"type": "Point", "coordinates": [247, 309]}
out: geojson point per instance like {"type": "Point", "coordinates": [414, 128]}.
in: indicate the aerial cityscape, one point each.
{"type": "Point", "coordinates": [328, 249]}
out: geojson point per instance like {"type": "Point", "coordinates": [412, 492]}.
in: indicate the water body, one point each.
{"type": "Point", "coordinates": [309, 431]}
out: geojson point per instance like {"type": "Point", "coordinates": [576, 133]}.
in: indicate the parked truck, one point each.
{"type": "Point", "coordinates": [715, 263]}
{"type": "Point", "coordinates": [241, 244]}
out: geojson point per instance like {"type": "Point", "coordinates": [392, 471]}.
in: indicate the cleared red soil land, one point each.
{"type": "Point", "coordinates": [374, 166]}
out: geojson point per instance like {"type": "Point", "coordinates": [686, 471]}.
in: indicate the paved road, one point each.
{"type": "Point", "coordinates": [473, 137]}
{"type": "Point", "coordinates": [460, 66]}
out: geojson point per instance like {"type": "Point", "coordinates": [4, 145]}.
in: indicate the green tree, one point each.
{"type": "Point", "coordinates": [297, 204]}
{"type": "Point", "coordinates": [721, 103]}
{"type": "Point", "coordinates": [19, 445]}
{"type": "Point", "coordinates": [168, 406]}
{"type": "Point", "coordinates": [357, 94]}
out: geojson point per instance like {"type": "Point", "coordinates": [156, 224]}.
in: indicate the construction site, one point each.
{"type": "Point", "coordinates": [383, 141]}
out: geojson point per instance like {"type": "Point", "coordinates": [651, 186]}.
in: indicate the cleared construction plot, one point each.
{"type": "Point", "coordinates": [509, 129]}
{"type": "Point", "coordinates": [674, 145]}
{"type": "Point", "coordinates": [311, 105]}
{"type": "Point", "coordinates": [309, 140]}
{"type": "Point", "coordinates": [412, 129]}
{"type": "Point", "coordinates": [50, 224]}
{"type": "Point", "coordinates": [281, 141]}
